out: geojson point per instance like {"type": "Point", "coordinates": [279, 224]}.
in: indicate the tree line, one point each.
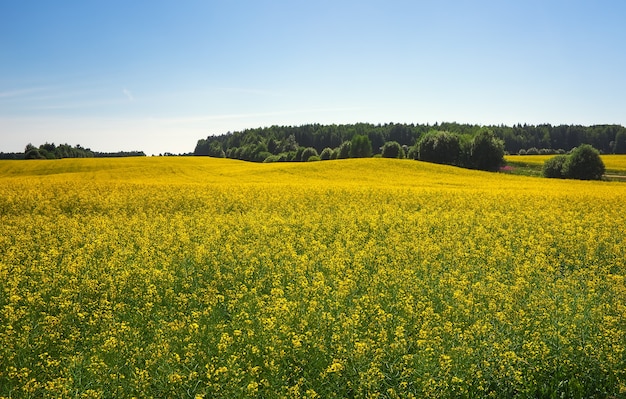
{"type": "Point", "coordinates": [450, 143]}
{"type": "Point", "coordinates": [52, 151]}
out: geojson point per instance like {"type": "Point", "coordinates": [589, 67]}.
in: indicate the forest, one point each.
{"type": "Point", "coordinates": [52, 151]}
{"type": "Point", "coordinates": [289, 143]}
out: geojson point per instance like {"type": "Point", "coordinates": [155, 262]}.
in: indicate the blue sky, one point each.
{"type": "Point", "coordinates": [159, 75]}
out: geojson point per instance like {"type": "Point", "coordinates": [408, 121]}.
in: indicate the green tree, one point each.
{"type": "Point", "coordinates": [326, 154]}
{"type": "Point", "coordinates": [392, 149]}
{"type": "Point", "coordinates": [584, 163]}
{"type": "Point", "coordinates": [298, 154]}
{"type": "Point", "coordinates": [202, 148]}
{"type": "Point", "coordinates": [289, 144]}
{"type": "Point", "coordinates": [261, 156]}
{"type": "Point", "coordinates": [272, 158]}
{"type": "Point", "coordinates": [308, 153]}
{"type": "Point", "coordinates": [439, 147]}
{"type": "Point", "coordinates": [361, 146]}
{"type": "Point", "coordinates": [486, 151]}
{"type": "Point", "coordinates": [553, 167]}
{"type": "Point", "coordinates": [620, 143]}
{"type": "Point", "coordinates": [33, 153]}
{"type": "Point", "coordinates": [273, 146]}
{"type": "Point", "coordinates": [215, 150]}
{"type": "Point", "coordinates": [413, 152]}
{"type": "Point", "coordinates": [48, 148]}
{"type": "Point", "coordinates": [344, 150]}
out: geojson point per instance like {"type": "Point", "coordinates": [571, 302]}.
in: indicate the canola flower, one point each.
{"type": "Point", "coordinates": [375, 278]}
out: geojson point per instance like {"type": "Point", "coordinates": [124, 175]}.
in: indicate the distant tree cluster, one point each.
{"type": "Point", "coordinates": [583, 163]}
{"type": "Point", "coordinates": [286, 143]}
{"type": "Point", "coordinates": [11, 155]}
{"type": "Point", "coordinates": [475, 148]}
{"type": "Point", "coordinates": [171, 154]}
{"type": "Point", "coordinates": [562, 138]}
{"type": "Point", "coordinates": [52, 151]}
{"type": "Point", "coordinates": [482, 151]}
{"type": "Point", "coordinates": [118, 154]}
{"type": "Point", "coordinates": [540, 151]}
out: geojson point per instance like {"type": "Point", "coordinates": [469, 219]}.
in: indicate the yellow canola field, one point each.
{"type": "Point", "coordinates": [373, 278]}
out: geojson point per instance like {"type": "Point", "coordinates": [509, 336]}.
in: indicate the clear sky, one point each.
{"type": "Point", "coordinates": [156, 76]}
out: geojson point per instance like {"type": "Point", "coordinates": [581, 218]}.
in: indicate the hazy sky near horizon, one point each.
{"type": "Point", "coordinates": [158, 75]}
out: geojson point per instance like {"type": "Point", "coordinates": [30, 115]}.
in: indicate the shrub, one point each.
{"type": "Point", "coordinates": [307, 153]}
{"type": "Point", "coordinates": [291, 156]}
{"type": "Point", "coordinates": [584, 163]}
{"type": "Point", "coordinates": [326, 154]}
{"type": "Point", "coordinates": [272, 158]}
{"type": "Point", "coordinates": [344, 150]}
{"type": "Point", "coordinates": [298, 155]}
{"type": "Point", "coordinates": [532, 151]}
{"type": "Point", "coordinates": [553, 167]}
{"type": "Point", "coordinates": [392, 149]}
{"type": "Point", "coordinates": [34, 154]}
{"type": "Point", "coordinates": [261, 156]}
{"type": "Point", "coordinates": [313, 158]}
{"type": "Point", "coordinates": [521, 152]}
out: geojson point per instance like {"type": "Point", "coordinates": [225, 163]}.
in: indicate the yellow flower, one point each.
{"type": "Point", "coordinates": [335, 367]}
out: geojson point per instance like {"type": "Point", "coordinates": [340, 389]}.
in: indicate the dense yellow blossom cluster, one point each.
{"type": "Point", "coordinates": [371, 278]}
